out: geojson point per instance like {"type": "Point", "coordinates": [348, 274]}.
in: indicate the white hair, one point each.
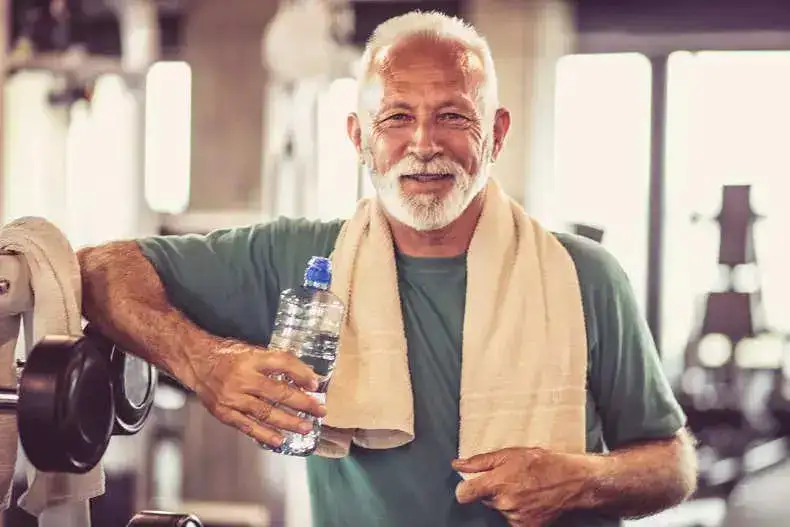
{"type": "Point", "coordinates": [440, 27]}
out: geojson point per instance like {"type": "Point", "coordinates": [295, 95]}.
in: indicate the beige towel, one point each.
{"type": "Point", "coordinates": [16, 299]}
{"type": "Point", "coordinates": [55, 283]}
{"type": "Point", "coordinates": [524, 357]}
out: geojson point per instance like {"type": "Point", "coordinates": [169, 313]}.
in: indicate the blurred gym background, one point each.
{"type": "Point", "coordinates": [658, 127]}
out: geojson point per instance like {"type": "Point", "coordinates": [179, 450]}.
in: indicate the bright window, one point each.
{"type": "Point", "coordinates": [338, 167]}
{"type": "Point", "coordinates": [34, 150]}
{"type": "Point", "coordinates": [102, 171]}
{"type": "Point", "coordinates": [602, 149]}
{"type": "Point", "coordinates": [73, 164]}
{"type": "Point", "coordinates": [168, 136]}
{"type": "Point", "coordinates": [728, 122]}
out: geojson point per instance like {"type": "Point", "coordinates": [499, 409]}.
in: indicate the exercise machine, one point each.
{"type": "Point", "coordinates": [73, 393]}
{"type": "Point", "coordinates": [734, 388]}
{"type": "Point", "coordinates": [163, 519]}
{"type": "Point", "coordinates": [52, 78]}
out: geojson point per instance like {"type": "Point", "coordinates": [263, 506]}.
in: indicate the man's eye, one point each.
{"type": "Point", "coordinates": [398, 117]}
{"type": "Point", "coordinates": [452, 116]}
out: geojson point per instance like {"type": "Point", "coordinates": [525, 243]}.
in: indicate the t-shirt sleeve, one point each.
{"type": "Point", "coordinates": [626, 378]}
{"type": "Point", "coordinates": [228, 281]}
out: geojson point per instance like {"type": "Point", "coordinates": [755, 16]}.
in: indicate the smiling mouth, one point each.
{"type": "Point", "coordinates": [424, 178]}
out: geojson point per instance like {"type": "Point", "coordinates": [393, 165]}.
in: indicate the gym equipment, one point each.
{"type": "Point", "coordinates": [732, 358]}
{"type": "Point", "coordinates": [324, 50]}
{"type": "Point", "coordinates": [74, 394]}
{"type": "Point", "coordinates": [64, 405]}
{"type": "Point", "coordinates": [55, 54]}
{"type": "Point", "coordinates": [779, 401]}
{"type": "Point", "coordinates": [70, 395]}
{"type": "Point", "coordinates": [163, 519]}
{"type": "Point", "coordinates": [134, 383]}
{"type": "Point", "coordinates": [588, 231]}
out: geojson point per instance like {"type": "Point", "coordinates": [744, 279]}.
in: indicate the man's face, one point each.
{"type": "Point", "coordinates": [422, 133]}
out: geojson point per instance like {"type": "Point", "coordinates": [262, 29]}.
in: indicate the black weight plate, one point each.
{"type": "Point", "coordinates": [134, 387]}
{"type": "Point", "coordinates": [66, 411]}
{"type": "Point", "coordinates": [134, 384]}
{"type": "Point", "coordinates": [163, 519]}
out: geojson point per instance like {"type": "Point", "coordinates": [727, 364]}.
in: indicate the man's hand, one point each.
{"type": "Point", "coordinates": [531, 487]}
{"type": "Point", "coordinates": [124, 297]}
{"type": "Point", "coordinates": [236, 383]}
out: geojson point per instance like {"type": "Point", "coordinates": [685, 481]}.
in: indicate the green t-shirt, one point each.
{"type": "Point", "coordinates": [229, 281]}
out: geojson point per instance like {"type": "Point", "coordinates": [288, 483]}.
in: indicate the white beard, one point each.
{"type": "Point", "coordinates": [427, 211]}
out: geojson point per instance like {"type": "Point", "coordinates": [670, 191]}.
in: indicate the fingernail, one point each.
{"type": "Point", "coordinates": [305, 427]}
{"type": "Point", "coordinates": [314, 384]}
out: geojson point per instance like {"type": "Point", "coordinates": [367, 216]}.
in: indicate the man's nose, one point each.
{"type": "Point", "coordinates": [424, 145]}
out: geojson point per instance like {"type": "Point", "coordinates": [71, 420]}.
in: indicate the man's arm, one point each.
{"type": "Point", "coordinates": [125, 298]}
{"type": "Point", "coordinates": [651, 461]}
{"type": "Point", "coordinates": [641, 479]}
{"type": "Point", "coordinates": [534, 486]}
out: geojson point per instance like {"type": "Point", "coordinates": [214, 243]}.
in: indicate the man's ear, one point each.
{"type": "Point", "coordinates": [501, 127]}
{"type": "Point", "coordinates": [354, 130]}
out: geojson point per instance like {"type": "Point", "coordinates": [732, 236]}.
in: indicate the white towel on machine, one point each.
{"type": "Point", "coordinates": [16, 298]}
{"type": "Point", "coordinates": [57, 291]}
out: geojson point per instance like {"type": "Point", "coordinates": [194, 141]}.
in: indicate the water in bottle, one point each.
{"type": "Point", "coordinates": [308, 325]}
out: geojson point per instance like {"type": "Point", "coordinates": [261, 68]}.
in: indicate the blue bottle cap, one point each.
{"type": "Point", "coordinates": [318, 272]}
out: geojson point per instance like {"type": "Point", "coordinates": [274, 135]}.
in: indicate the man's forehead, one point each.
{"type": "Point", "coordinates": [424, 54]}
{"type": "Point", "coordinates": [423, 66]}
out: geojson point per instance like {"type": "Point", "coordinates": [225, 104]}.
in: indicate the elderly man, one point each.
{"type": "Point", "coordinates": [490, 372]}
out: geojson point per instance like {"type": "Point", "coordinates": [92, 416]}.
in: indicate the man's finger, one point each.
{"type": "Point", "coordinates": [274, 362]}
{"type": "Point", "coordinates": [516, 520]}
{"type": "Point", "coordinates": [278, 418]}
{"type": "Point", "coordinates": [480, 462]}
{"type": "Point", "coordinates": [502, 503]}
{"type": "Point", "coordinates": [473, 490]}
{"type": "Point", "coordinates": [250, 427]}
{"type": "Point", "coordinates": [283, 394]}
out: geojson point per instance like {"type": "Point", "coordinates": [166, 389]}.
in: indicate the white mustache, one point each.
{"type": "Point", "coordinates": [440, 165]}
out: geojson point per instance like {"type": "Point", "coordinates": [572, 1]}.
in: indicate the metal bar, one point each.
{"type": "Point", "coordinates": [9, 398]}
{"type": "Point", "coordinates": [75, 63]}
{"type": "Point", "coordinates": [655, 251]}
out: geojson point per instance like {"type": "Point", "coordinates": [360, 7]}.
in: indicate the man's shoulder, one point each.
{"type": "Point", "coordinates": [285, 245]}
{"type": "Point", "coordinates": [597, 268]}
{"type": "Point", "coordinates": [291, 235]}
{"type": "Point", "coordinates": [290, 228]}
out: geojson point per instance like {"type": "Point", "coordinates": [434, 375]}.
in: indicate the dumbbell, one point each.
{"type": "Point", "coordinates": [73, 394]}
{"type": "Point", "coordinates": [163, 519]}
{"type": "Point", "coordinates": [134, 384]}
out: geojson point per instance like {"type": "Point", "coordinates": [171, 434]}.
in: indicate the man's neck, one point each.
{"type": "Point", "coordinates": [451, 240]}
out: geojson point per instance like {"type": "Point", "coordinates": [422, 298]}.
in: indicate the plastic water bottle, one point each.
{"type": "Point", "coordinates": [308, 325]}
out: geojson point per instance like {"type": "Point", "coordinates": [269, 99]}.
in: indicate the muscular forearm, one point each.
{"type": "Point", "coordinates": [123, 296]}
{"type": "Point", "coordinates": [643, 479]}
